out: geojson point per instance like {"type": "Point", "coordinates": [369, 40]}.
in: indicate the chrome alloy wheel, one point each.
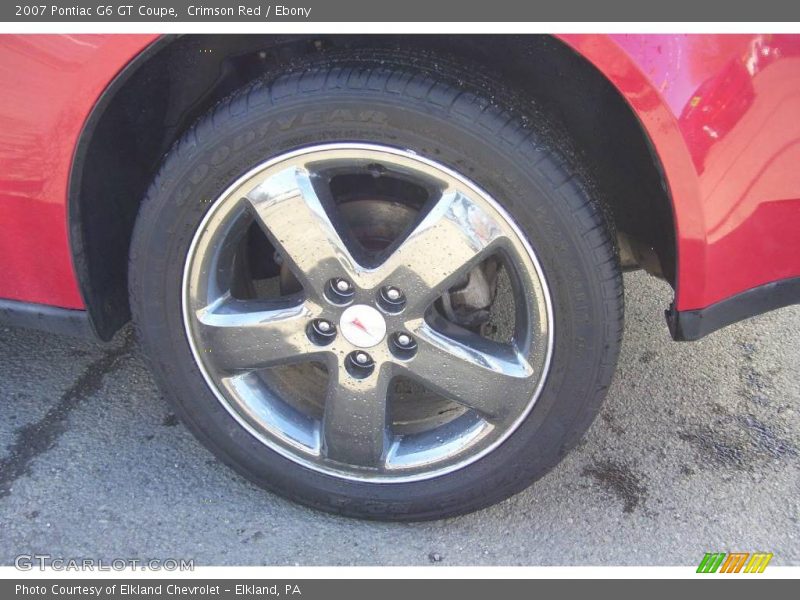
{"type": "Point", "coordinates": [365, 322]}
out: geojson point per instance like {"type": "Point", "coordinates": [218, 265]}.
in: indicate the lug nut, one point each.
{"type": "Point", "coordinates": [321, 332]}
{"type": "Point", "coordinates": [403, 346]}
{"type": "Point", "coordinates": [339, 291]}
{"type": "Point", "coordinates": [391, 299]}
{"type": "Point", "coordinates": [359, 364]}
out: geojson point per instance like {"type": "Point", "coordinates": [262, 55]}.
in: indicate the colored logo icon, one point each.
{"type": "Point", "coordinates": [734, 562]}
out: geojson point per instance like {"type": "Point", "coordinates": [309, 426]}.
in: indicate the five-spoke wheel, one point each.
{"type": "Point", "coordinates": [365, 319]}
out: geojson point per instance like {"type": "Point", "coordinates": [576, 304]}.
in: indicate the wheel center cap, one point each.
{"type": "Point", "coordinates": [362, 326]}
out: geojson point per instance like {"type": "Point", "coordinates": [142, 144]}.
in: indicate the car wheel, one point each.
{"type": "Point", "coordinates": [377, 290]}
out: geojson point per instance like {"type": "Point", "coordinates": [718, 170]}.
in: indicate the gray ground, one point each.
{"type": "Point", "coordinates": [696, 450]}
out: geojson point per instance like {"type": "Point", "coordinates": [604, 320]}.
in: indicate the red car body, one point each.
{"type": "Point", "coordinates": [720, 111]}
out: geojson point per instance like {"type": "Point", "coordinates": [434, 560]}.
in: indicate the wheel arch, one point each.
{"type": "Point", "coordinates": [172, 82]}
{"type": "Point", "coordinates": [670, 154]}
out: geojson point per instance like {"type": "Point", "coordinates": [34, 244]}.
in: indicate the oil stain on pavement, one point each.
{"type": "Point", "coordinates": [620, 480]}
{"type": "Point", "coordinates": [38, 437]}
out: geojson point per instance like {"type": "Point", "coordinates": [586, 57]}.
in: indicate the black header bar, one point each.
{"type": "Point", "coordinates": [464, 11]}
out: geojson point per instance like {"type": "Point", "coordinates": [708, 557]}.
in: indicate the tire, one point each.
{"type": "Point", "coordinates": [497, 143]}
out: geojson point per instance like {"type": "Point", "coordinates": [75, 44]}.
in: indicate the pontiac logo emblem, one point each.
{"type": "Point", "coordinates": [362, 326]}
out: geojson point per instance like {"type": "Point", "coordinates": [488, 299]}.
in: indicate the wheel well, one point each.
{"type": "Point", "coordinates": [166, 88]}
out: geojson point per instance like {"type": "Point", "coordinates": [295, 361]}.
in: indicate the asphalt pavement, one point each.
{"type": "Point", "coordinates": [697, 449]}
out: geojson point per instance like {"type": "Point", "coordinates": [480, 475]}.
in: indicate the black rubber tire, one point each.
{"type": "Point", "coordinates": [493, 139]}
